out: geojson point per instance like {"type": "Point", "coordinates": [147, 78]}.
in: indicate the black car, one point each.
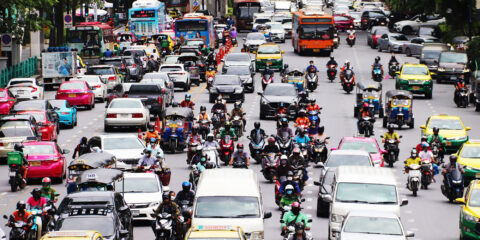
{"type": "Point", "coordinates": [372, 18]}
{"type": "Point", "coordinates": [109, 226]}
{"type": "Point", "coordinates": [195, 65]}
{"type": "Point", "coordinates": [152, 95]}
{"type": "Point", "coordinates": [229, 86]}
{"type": "Point", "coordinates": [115, 61]}
{"type": "Point", "coordinates": [190, 49]}
{"type": "Point", "coordinates": [325, 188]}
{"type": "Point", "coordinates": [276, 93]}
{"type": "Point", "coordinates": [451, 65]}
{"type": "Point", "coordinates": [133, 68]}
{"type": "Point", "coordinates": [245, 75]}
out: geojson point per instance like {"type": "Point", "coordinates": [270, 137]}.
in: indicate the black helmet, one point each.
{"type": "Point", "coordinates": [284, 122]}
{"type": "Point", "coordinates": [21, 205]}
{"type": "Point", "coordinates": [331, 58]}
{"type": "Point", "coordinates": [18, 147]}
{"type": "Point", "coordinates": [414, 153]}
{"type": "Point", "coordinates": [236, 105]}
{"type": "Point", "coordinates": [147, 151]}
{"type": "Point", "coordinates": [423, 139]}
{"type": "Point", "coordinates": [312, 100]}
{"type": "Point", "coordinates": [256, 125]}
{"type": "Point", "coordinates": [453, 158]}
{"type": "Point", "coordinates": [151, 127]}
{"type": "Point", "coordinates": [219, 99]}
{"type": "Point", "coordinates": [186, 186]}
{"type": "Point", "coordinates": [299, 226]}
{"type": "Point", "coordinates": [377, 59]}
{"type": "Point", "coordinates": [435, 129]}
{"type": "Point", "coordinates": [390, 128]}
{"type": "Point", "coordinates": [36, 193]}
{"type": "Point", "coordinates": [321, 129]}
{"type": "Point", "coordinates": [203, 109]}
{"type": "Point", "coordinates": [165, 196]}
{"type": "Point", "coordinates": [285, 66]}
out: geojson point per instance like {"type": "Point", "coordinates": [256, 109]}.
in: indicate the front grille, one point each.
{"type": "Point", "coordinates": [138, 205]}
{"type": "Point", "coordinates": [131, 161]}
{"type": "Point", "coordinates": [416, 81]}
{"type": "Point", "coordinates": [275, 105]}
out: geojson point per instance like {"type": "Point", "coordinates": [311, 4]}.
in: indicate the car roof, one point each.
{"type": "Point", "coordinates": [23, 79]}
{"type": "Point", "coordinates": [244, 180]}
{"type": "Point", "coordinates": [139, 175]}
{"type": "Point", "coordinates": [171, 65]}
{"type": "Point", "coordinates": [475, 184]}
{"type": "Point", "coordinates": [350, 152]}
{"type": "Point", "coordinates": [100, 66]}
{"type": "Point", "coordinates": [365, 174]}
{"type": "Point", "coordinates": [15, 117]}
{"type": "Point", "coordinates": [39, 143]}
{"type": "Point", "coordinates": [91, 194]}
{"type": "Point", "coordinates": [69, 234]}
{"type": "Point", "coordinates": [444, 117]}
{"type": "Point", "coordinates": [281, 84]}
{"type": "Point", "coordinates": [118, 135]}
{"type": "Point", "coordinates": [414, 65]}
{"type": "Point", "coordinates": [130, 99]}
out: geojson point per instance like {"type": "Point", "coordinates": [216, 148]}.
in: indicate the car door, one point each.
{"type": "Point", "coordinates": [61, 156]}
{"type": "Point", "coordinates": [417, 47]}
{"type": "Point", "coordinates": [383, 42]}
{"type": "Point", "coordinates": [11, 99]}
{"type": "Point", "coordinates": [39, 86]}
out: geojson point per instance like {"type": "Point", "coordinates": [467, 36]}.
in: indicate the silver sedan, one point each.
{"type": "Point", "coordinates": [391, 42]}
{"type": "Point", "coordinates": [415, 46]}
{"type": "Point", "coordinates": [126, 112]}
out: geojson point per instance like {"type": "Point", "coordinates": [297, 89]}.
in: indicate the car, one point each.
{"type": "Point", "coordinates": [277, 32]}
{"type": "Point", "coordinates": [77, 93]}
{"type": "Point", "coordinates": [415, 78]}
{"type": "Point", "coordinates": [415, 46]}
{"type": "Point", "coordinates": [116, 61]}
{"type": "Point", "coordinates": [237, 59]}
{"type": "Point", "coordinates": [197, 42]}
{"type": "Point", "coordinates": [356, 17]}
{"type": "Point", "coordinates": [73, 235]}
{"type": "Point", "coordinates": [142, 193]}
{"type": "Point", "coordinates": [372, 18]}
{"type": "Point", "coordinates": [344, 157]}
{"type": "Point", "coordinates": [149, 48]}
{"type": "Point", "coordinates": [469, 214]}
{"type": "Point", "coordinates": [7, 100]}
{"type": "Point", "coordinates": [45, 159]}
{"type": "Point", "coordinates": [163, 79]}
{"type": "Point", "coordinates": [375, 33]}
{"type": "Point", "coordinates": [41, 105]}
{"type": "Point", "coordinates": [451, 65]}
{"type": "Point", "coordinates": [427, 31]}
{"type": "Point", "coordinates": [190, 49]}
{"type": "Point", "coordinates": [468, 155]}
{"type": "Point", "coordinates": [245, 75]}
{"type": "Point", "coordinates": [343, 22]}
{"type": "Point", "coordinates": [288, 26]}
{"type": "Point", "coordinates": [230, 87]}
{"type": "Point", "coordinates": [269, 54]}
{"type": "Point", "coordinates": [391, 42]}
{"type": "Point", "coordinates": [260, 21]}
{"type": "Point", "coordinates": [140, 53]}
{"type": "Point", "coordinates": [276, 93]}
{"type": "Point", "coordinates": [364, 224]}
{"type": "Point", "coordinates": [126, 112]}
{"type": "Point", "coordinates": [340, 9]}
{"type": "Point", "coordinates": [17, 129]}
{"type": "Point", "coordinates": [25, 88]}
{"type": "Point", "coordinates": [325, 184]}
{"type": "Point", "coordinates": [196, 66]}
{"type": "Point", "coordinates": [430, 54]}
{"type": "Point", "coordinates": [133, 68]}
{"type": "Point", "coordinates": [67, 114]}
{"type": "Point", "coordinates": [212, 232]}
{"type": "Point", "coordinates": [118, 91]}
{"type": "Point", "coordinates": [451, 129]}
{"type": "Point", "coordinates": [49, 126]}
{"type": "Point", "coordinates": [369, 145]}
{"type": "Point", "coordinates": [172, 59]}
{"type": "Point", "coordinates": [413, 24]}
{"type": "Point", "coordinates": [153, 95]}
{"type": "Point", "coordinates": [127, 148]}
{"type": "Point", "coordinates": [97, 84]}
{"type": "Point", "coordinates": [108, 73]}
{"type": "Point", "coordinates": [178, 74]}
{"type": "Point", "coordinates": [253, 40]}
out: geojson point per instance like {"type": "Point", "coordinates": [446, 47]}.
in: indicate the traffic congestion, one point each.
{"type": "Point", "coordinates": [292, 120]}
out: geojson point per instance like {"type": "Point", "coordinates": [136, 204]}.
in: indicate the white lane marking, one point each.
{"type": "Point", "coordinates": [309, 199]}
{"type": "Point", "coordinates": [69, 140]}
{"type": "Point", "coordinates": [411, 220]}
{"type": "Point", "coordinates": [309, 192]}
{"type": "Point", "coordinates": [95, 119]}
{"type": "Point", "coordinates": [85, 127]}
{"type": "Point", "coordinates": [309, 207]}
{"type": "Point", "coordinates": [408, 211]}
{"type": "Point", "coordinates": [3, 193]}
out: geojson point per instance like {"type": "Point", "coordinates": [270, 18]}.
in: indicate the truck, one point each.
{"type": "Point", "coordinates": [152, 95]}
{"type": "Point", "coordinates": [282, 6]}
{"type": "Point", "coordinates": [58, 66]}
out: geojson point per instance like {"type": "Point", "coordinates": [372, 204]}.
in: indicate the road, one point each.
{"type": "Point", "coordinates": [429, 215]}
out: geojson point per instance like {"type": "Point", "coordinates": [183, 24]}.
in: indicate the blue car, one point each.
{"type": "Point", "coordinates": [66, 112]}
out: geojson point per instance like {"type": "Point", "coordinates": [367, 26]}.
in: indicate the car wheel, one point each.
{"type": "Point", "coordinates": [76, 119]}
{"type": "Point", "coordinates": [390, 50]}
{"type": "Point", "coordinates": [379, 48]}
{"type": "Point", "coordinates": [89, 107]}
{"type": "Point", "coordinates": [407, 30]}
{"type": "Point", "coordinates": [93, 103]}
{"type": "Point", "coordinates": [73, 121]}
{"type": "Point", "coordinates": [428, 95]}
{"type": "Point", "coordinates": [107, 128]}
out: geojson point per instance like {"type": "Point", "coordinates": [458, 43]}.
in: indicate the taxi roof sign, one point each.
{"type": "Point", "coordinates": [213, 228]}
{"type": "Point", "coordinates": [92, 177]}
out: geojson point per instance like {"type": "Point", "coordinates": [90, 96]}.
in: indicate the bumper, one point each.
{"type": "Point", "coordinates": [277, 38]}
{"type": "Point", "coordinates": [469, 174]}
{"type": "Point", "coordinates": [467, 230]}
{"type": "Point", "coordinates": [180, 82]}
{"type": "Point", "coordinates": [396, 48]}
{"type": "Point", "coordinates": [125, 122]}
{"type": "Point", "coordinates": [270, 111]}
{"type": "Point", "coordinates": [66, 120]}
{"type": "Point", "coordinates": [4, 108]}
{"type": "Point", "coordinates": [51, 169]}
{"type": "Point", "coordinates": [98, 93]}
{"type": "Point", "coordinates": [229, 97]}
{"type": "Point", "coordinates": [77, 101]}
{"type": "Point", "coordinates": [5, 149]}
{"type": "Point", "coordinates": [416, 88]}
{"type": "Point", "coordinates": [139, 214]}
{"type": "Point", "coordinates": [275, 64]}
{"type": "Point", "coordinates": [454, 145]}
{"type": "Point", "coordinates": [447, 75]}
{"type": "Point", "coordinates": [47, 135]}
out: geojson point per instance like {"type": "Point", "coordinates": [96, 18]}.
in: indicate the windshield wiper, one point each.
{"type": "Point", "coordinates": [246, 215]}
{"type": "Point", "coordinates": [383, 202]}
{"type": "Point", "coordinates": [354, 201]}
{"type": "Point", "coordinates": [214, 217]}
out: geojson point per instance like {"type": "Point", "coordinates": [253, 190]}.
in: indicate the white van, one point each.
{"type": "Point", "coordinates": [230, 197]}
{"type": "Point", "coordinates": [361, 188]}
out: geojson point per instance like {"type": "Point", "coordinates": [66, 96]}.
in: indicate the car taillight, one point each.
{"type": "Point", "coordinates": [144, 59]}
{"type": "Point", "coordinates": [1, 144]}
{"type": "Point", "coordinates": [134, 65]}
{"type": "Point", "coordinates": [123, 66]}
{"type": "Point", "coordinates": [137, 115]}
{"type": "Point", "coordinates": [111, 115]}
{"type": "Point", "coordinates": [160, 100]}
{"type": "Point", "coordinates": [64, 113]}
{"type": "Point", "coordinates": [34, 89]}
{"type": "Point", "coordinates": [124, 95]}
{"type": "Point", "coordinates": [112, 78]}
{"type": "Point", "coordinates": [202, 65]}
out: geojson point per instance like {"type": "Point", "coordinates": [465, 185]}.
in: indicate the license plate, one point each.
{"type": "Point", "coordinates": [35, 163]}
{"type": "Point", "coordinates": [123, 115]}
{"type": "Point", "coordinates": [135, 213]}
{"type": "Point", "coordinates": [416, 88]}
{"type": "Point", "coordinates": [477, 175]}
{"type": "Point", "coordinates": [448, 143]}
{"type": "Point", "coordinates": [12, 174]}
{"type": "Point", "coordinates": [72, 95]}
{"type": "Point", "coordinates": [20, 92]}
{"type": "Point", "coordinates": [269, 63]}
{"type": "Point", "coordinates": [316, 50]}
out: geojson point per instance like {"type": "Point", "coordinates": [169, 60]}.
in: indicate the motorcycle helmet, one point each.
{"type": "Point", "coordinates": [302, 112]}
{"type": "Point", "coordinates": [147, 151]}
{"type": "Point", "coordinates": [271, 140]}
{"type": "Point", "coordinates": [18, 147]}
{"type": "Point", "coordinates": [194, 129]}
{"type": "Point", "coordinates": [151, 127]}
{"type": "Point", "coordinates": [312, 100]}
{"type": "Point", "coordinates": [453, 159]}
{"type": "Point", "coordinates": [36, 193]}
{"type": "Point", "coordinates": [377, 59]}
{"type": "Point", "coordinates": [365, 105]}
{"type": "Point", "coordinates": [210, 137]}
{"type": "Point", "coordinates": [236, 105]}
{"type": "Point", "coordinates": [285, 66]}
{"type": "Point", "coordinates": [283, 161]}
{"type": "Point", "coordinates": [203, 159]}
{"type": "Point", "coordinates": [425, 145]}
{"type": "Point", "coordinates": [209, 165]}
{"type": "Point", "coordinates": [296, 151]}
{"type": "Point", "coordinates": [256, 125]}
{"type": "Point", "coordinates": [240, 147]}
{"type": "Point", "coordinates": [219, 99]}
{"type": "Point", "coordinates": [414, 153]}
{"type": "Point", "coordinates": [187, 97]}
{"type": "Point", "coordinates": [296, 208]}
{"type": "Point", "coordinates": [166, 196]}
{"type": "Point", "coordinates": [299, 227]}
{"type": "Point", "coordinates": [203, 109]}
{"type": "Point", "coordinates": [435, 130]}
{"type": "Point", "coordinates": [423, 139]}
{"type": "Point", "coordinates": [289, 189]}
{"type": "Point", "coordinates": [390, 128]}
{"type": "Point", "coordinates": [227, 125]}
{"type": "Point", "coordinates": [332, 58]}
{"type": "Point", "coordinates": [321, 129]}
{"type": "Point", "coordinates": [290, 176]}
{"type": "Point", "coordinates": [284, 122]}
{"type": "Point", "coordinates": [46, 182]}
{"type": "Point", "coordinates": [347, 62]}
{"type": "Point", "coordinates": [186, 186]}
{"type": "Point", "coordinates": [21, 205]}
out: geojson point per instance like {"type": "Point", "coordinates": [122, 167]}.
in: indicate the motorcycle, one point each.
{"type": "Point", "coordinates": [436, 153]}
{"type": "Point", "coordinates": [312, 81]}
{"type": "Point", "coordinates": [280, 116]}
{"type": "Point", "coordinates": [204, 128]}
{"type": "Point", "coordinates": [304, 151]}
{"type": "Point", "coordinates": [377, 74]}
{"type": "Point", "coordinates": [393, 69]}
{"type": "Point", "coordinates": [49, 212]}
{"type": "Point", "coordinates": [256, 147]}
{"type": "Point", "coordinates": [164, 227]}
{"type": "Point", "coordinates": [454, 188]}
{"type": "Point", "coordinates": [234, 41]}
{"type": "Point", "coordinates": [331, 72]}
{"type": "Point", "coordinates": [348, 80]}
{"type": "Point", "coordinates": [391, 146]}
{"type": "Point", "coordinates": [240, 164]}
{"type": "Point", "coordinates": [266, 79]}
{"type": "Point", "coordinates": [313, 116]}
{"type": "Point", "coordinates": [212, 155]}
{"type": "Point", "coordinates": [285, 143]}
{"type": "Point", "coordinates": [194, 175]}
{"type": "Point", "coordinates": [351, 39]}
{"type": "Point", "coordinates": [365, 126]}
{"type": "Point", "coordinates": [192, 147]}
{"type": "Point", "coordinates": [210, 74]}
{"type": "Point", "coordinates": [270, 163]}
{"type": "Point", "coordinates": [226, 149]}
{"type": "Point", "coordinates": [414, 176]}
{"type": "Point", "coordinates": [37, 227]}
{"type": "Point", "coordinates": [427, 173]}
{"type": "Point", "coordinates": [319, 151]}
{"type": "Point", "coordinates": [18, 231]}
{"type": "Point", "coordinates": [237, 124]}
{"type": "Point", "coordinates": [186, 212]}
{"type": "Point", "coordinates": [218, 119]}
{"type": "Point", "coordinates": [462, 98]}
{"type": "Point", "coordinates": [15, 163]}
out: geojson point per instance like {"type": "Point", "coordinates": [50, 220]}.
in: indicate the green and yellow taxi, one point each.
{"type": "Point", "coordinates": [469, 157]}
{"type": "Point", "coordinates": [451, 129]}
{"type": "Point", "coordinates": [415, 78]}
{"type": "Point", "coordinates": [73, 235]}
{"type": "Point", "coordinates": [470, 211]}
{"type": "Point", "coordinates": [269, 54]}
{"type": "Point", "coordinates": [215, 232]}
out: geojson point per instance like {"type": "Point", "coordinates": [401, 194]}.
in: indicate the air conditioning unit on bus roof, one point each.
{"type": "Point", "coordinates": [195, 14]}
{"type": "Point", "coordinates": [146, 4]}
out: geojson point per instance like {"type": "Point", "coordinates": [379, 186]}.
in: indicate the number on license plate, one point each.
{"type": "Point", "coordinates": [415, 87]}
{"type": "Point", "coordinates": [35, 163]}
{"type": "Point", "coordinates": [123, 115]}
{"type": "Point", "coordinates": [12, 174]}
{"type": "Point", "coordinates": [316, 50]}
{"type": "Point", "coordinates": [135, 213]}
{"type": "Point", "coordinates": [71, 95]}
{"type": "Point", "coordinates": [449, 143]}
{"type": "Point", "coordinates": [20, 92]}
{"type": "Point", "coordinates": [269, 63]}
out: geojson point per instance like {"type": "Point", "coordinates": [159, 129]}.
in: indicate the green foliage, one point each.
{"type": "Point", "coordinates": [473, 49]}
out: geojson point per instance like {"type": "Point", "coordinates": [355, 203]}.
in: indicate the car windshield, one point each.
{"type": "Point", "coordinates": [171, 68]}
{"type": "Point", "coordinates": [474, 199]}
{"type": "Point", "coordinates": [100, 71]}
{"type": "Point", "coordinates": [38, 149]}
{"type": "Point", "coordinates": [316, 31]}
{"type": "Point", "coordinates": [268, 50]}
{"type": "Point", "coordinates": [39, 116]}
{"type": "Point", "coordinates": [115, 62]}
{"type": "Point", "coordinates": [72, 86]}
{"type": "Point", "coordinates": [271, 90]}
{"type": "Point", "coordinates": [104, 225]}
{"type": "Point", "coordinates": [144, 89]}
{"type": "Point", "coordinates": [240, 70]}
{"type": "Point", "coordinates": [450, 57]}
{"type": "Point", "coordinates": [415, 71]}
{"type": "Point", "coordinates": [276, 26]}
{"type": "Point", "coordinates": [381, 31]}
{"type": "Point", "coordinates": [116, 143]}
{"type": "Point", "coordinates": [238, 58]}
{"type": "Point", "coordinates": [255, 36]}
{"type": "Point", "coordinates": [125, 104]}
{"type": "Point", "coordinates": [129, 61]}
{"type": "Point", "coordinates": [470, 152]}
{"type": "Point", "coordinates": [19, 131]}
{"type": "Point", "coordinates": [377, 14]}
{"type": "Point", "coordinates": [138, 185]}
{"type": "Point", "coordinates": [337, 160]}
{"type": "Point", "coordinates": [91, 79]}
{"type": "Point", "coordinates": [447, 124]}
{"type": "Point", "coordinates": [400, 37]}
{"type": "Point", "coordinates": [29, 105]}
{"type": "Point", "coordinates": [340, 18]}
{"type": "Point", "coordinates": [366, 193]}
{"type": "Point", "coordinates": [226, 80]}
{"type": "Point", "coordinates": [431, 54]}
{"type": "Point", "coordinates": [400, 102]}
{"type": "Point", "coordinates": [194, 43]}
{"type": "Point", "coordinates": [369, 147]}
{"type": "Point", "coordinates": [20, 82]}
{"type": "Point", "coordinates": [262, 20]}
{"type": "Point", "coordinates": [171, 59]}
{"type": "Point", "coordinates": [227, 207]}
{"type": "Point", "coordinates": [373, 225]}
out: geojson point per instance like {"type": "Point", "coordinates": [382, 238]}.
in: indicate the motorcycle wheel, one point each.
{"type": "Point", "coordinates": [13, 187]}
{"type": "Point", "coordinates": [390, 163]}
{"type": "Point", "coordinates": [415, 192]}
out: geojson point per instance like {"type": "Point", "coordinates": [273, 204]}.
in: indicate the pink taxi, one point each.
{"type": "Point", "coordinates": [45, 159]}
{"type": "Point", "coordinates": [77, 93]}
{"type": "Point", "coordinates": [369, 145]}
{"type": "Point", "coordinates": [6, 101]}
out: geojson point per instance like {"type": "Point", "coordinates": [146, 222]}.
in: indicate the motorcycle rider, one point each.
{"type": "Point", "coordinates": [413, 159]}
{"type": "Point", "coordinates": [365, 111]}
{"type": "Point", "coordinates": [210, 142]}
{"type": "Point", "coordinates": [391, 134]}
{"type": "Point", "coordinates": [219, 105]}
{"type": "Point", "coordinates": [170, 207]}
{"type": "Point", "coordinates": [81, 148]}
{"type": "Point", "coordinates": [321, 135]}
{"type": "Point", "coordinates": [228, 130]}
{"type": "Point", "coordinates": [289, 197]}
{"type": "Point", "coordinates": [185, 194]}
{"type": "Point", "coordinates": [332, 62]}
{"type": "Point", "coordinates": [155, 147]}
{"type": "Point", "coordinates": [302, 120]}
{"type": "Point", "coordinates": [393, 60]}
{"type": "Point", "coordinates": [459, 85]}
{"type": "Point", "coordinates": [197, 155]}
{"type": "Point", "coordinates": [312, 106]}
{"type": "Point", "coordinates": [271, 147]}
{"type": "Point", "coordinates": [345, 67]}
{"type": "Point", "coordinates": [186, 103]}
{"type": "Point", "coordinates": [302, 98]}
{"type": "Point", "coordinates": [147, 159]}
{"type": "Point", "coordinates": [377, 64]}
{"type": "Point", "coordinates": [257, 131]}
{"type": "Point", "coordinates": [437, 138]}
{"type": "Point", "coordinates": [289, 181]}
{"type": "Point", "coordinates": [284, 128]}
{"type": "Point", "coordinates": [302, 137]}
{"type": "Point", "coordinates": [20, 214]}
{"type": "Point", "coordinates": [203, 114]}
{"type": "Point", "coordinates": [294, 216]}
{"type": "Point", "coordinates": [267, 71]}
{"type": "Point", "coordinates": [297, 161]}
{"type": "Point", "coordinates": [423, 139]}
{"type": "Point", "coordinates": [238, 111]}
{"type": "Point", "coordinates": [24, 169]}
{"type": "Point", "coordinates": [448, 168]}
{"type": "Point", "coordinates": [285, 70]}
{"type": "Point", "coordinates": [240, 156]}
{"type": "Point", "coordinates": [151, 133]}
{"type": "Point", "coordinates": [47, 191]}
{"type": "Point", "coordinates": [426, 153]}
{"type": "Point", "coordinates": [283, 169]}
{"type": "Point", "coordinates": [299, 232]}
{"type": "Point", "coordinates": [312, 68]}
{"type": "Point", "coordinates": [36, 201]}
{"type": "Point", "coordinates": [194, 136]}
{"type": "Point", "coordinates": [202, 164]}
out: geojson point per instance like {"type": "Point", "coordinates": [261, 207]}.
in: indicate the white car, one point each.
{"type": "Point", "coordinates": [277, 32]}
{"type": "Point", "coordinates": [412, 25]}
{"type": "Point", "coordinates": [142, 193]}
{"type": "Point", "coordinates": [126, 112]}
{"type": "Point", "coordinates": [178, 75]}
{"type": "Point", "coordinates": [97, 84]}
{"type": "Point", "coordinates": [108, 73]}
{"type": "Point", "coordinates": [25, 88]}
{"type": "Point", "coordinates": [127, 148]}
{"type": "Point", "coordinates": [341, 9]}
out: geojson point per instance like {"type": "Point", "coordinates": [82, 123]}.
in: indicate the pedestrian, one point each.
{"type": "Point", "coordinates": [108, 53]}
{"type": "Point", "coordinates": [81, 148]}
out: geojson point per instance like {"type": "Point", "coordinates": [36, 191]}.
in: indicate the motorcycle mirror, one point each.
{"type": "Point", "coordinates": [268, 215]}
{"type": "Point", "coordinates": [400, 136]}
{"type": "Point", "coordinates": [5, 216]}
{"type": "Point", "coordinates": [309, 220]}
{"type": "Point", "coordinates": [321, 165]}
{"type": "Point", "coordinates": [302, 200]}
{"type": "Point", "coordinates": [166, 189]}
{"type": "Point", "coordinates": [327, 138]}
{"type": "Point", "coordinates": [405, 162]}
{"type": "Point", "coordinates": [260, 93]}
{"type": "Point", "coordinates": [404, 202]}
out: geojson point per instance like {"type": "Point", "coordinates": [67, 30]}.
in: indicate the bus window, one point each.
{"type": "Point", "coordinates": [311, 31]}
{"type": "Point", "coordinates": [247, 12]}
{"type": "Point", "coordinates": [185, 26]}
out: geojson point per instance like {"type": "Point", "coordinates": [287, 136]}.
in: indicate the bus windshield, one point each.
{"type": "Point", "coordinates": [247, 12]}
{"type": "Point", "coordinates": [316, 31]}
{"type": "Point", "coordinates": [83, 36]}
{"type": "Point", "coordinates": [191, 25]}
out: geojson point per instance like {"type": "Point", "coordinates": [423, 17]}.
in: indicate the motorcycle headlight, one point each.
{"type": "Point", "coordinates": [466, 70]}
{"type": "Point", "coordinates": [264, 102]}
{"type": "Point", "coordinates": [213, 90]}
{"type": "Point", "coordinates": [470, 218]}
{"type": "Point", "coordinates": [337, 218]}
{"type": "Point", "coordinates": [238, 90]}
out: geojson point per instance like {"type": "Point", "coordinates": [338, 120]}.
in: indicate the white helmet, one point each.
{"type": "Point", "coordinates": [289, 187]}
{"type": "Point", "coordinates": [347, 62]}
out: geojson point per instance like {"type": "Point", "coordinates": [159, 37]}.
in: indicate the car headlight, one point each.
{"type": "Point", "coordinates": [213, 90]}
{"type": "Point", "coordinates": [238, 90]}
{"type": "Point", "coordinates": [459, 138]}
{"type": "Point", "coordinates": [264, 102]}
{"type": "Point", "coordinates": [470, 218]}
{"type": "Point", "coordinates": [256, 235]}
{"type": "Point", "coordinates": [441, 69]}
{"type": "Point", "coordinates": [466, 70]}
{"type": "Point", "coordinates": [337, 218]}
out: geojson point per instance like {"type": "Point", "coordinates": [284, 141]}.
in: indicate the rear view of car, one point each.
{"type": "Point", "coordinates": [125, 112]}
{"type": "Point", "coordinates": [98, 86]}
{"type": "Point", "coordinates": [25, 88]}
{"type": "Point", "coordinates": [7, 100]}
{"type": "Point", "coordinates": [76, 93]}
{"type": "Point", "coordinates": [66, 113]}
{"type": "Point", "coordinates": [13, 131]}
{"type": "Point", "coordinates": [45, 159]}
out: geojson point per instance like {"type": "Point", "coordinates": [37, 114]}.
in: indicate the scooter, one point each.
{"type": "Point", "coordinates": [414, 176]}
{"type": "Point", "coordinates": [312, 81]}
{"type": "Point", "coordinates": [436, 153]}
{"type": "Point", "coordinates": [164, 228]}
{"type": "Point", "coordinates": [212, 154]}
{"type": "Point", "coordinates": [462, 98]}
{"type": "Point", "coordinates": [266, 79]}
{"type": "Point", "coordinates": [351, 39]}
{"type": "Point", "coordinates": [331, 72]}
{"type": "Point", "coordinates": [16, 180]}
{"type": "Point", "coordinates": [256, 147]}
{"type": "Point", "coordinates": [313, 116]}
{"type": "Point", "coordinates": [186, 211]}
{"type": "Point", "coordinates": [454, 185]}
{"type": "Point", "coordinates": [348, 80]}
{"type": "Point", "coordinates": [393, 69]}
{"type": "Point", "coordinates": [218, 119]}
{"type": "Point", "coordinates": [204, 128]}
{"type": "Point", "coordinates": [427, 173]}
{"type": "Point", "coordinates": [366, 126]}
{"type": "Point", "coordinates": [391, 146]}
{"type": "Point", "coordinates": [270, 163]}
{"type": "Point", "coordinates": [226, 149]}
{"type": "Point", "coordinates": [377, 74]}
{"type": "Point", "coordinates": [285, 143]}
{"type": "Point", "coordinates": [18, 231]}
{"type": "Point", "coordinates": [237, 124]}
{"type": "Point", "coordinates": [319, 151]}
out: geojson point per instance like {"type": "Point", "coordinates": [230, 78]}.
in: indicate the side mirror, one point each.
{"type": "Point", "coordinates": [65, 151]}
{"type": "Point", "coordinates": [404, 202]}
{"type": "Point", "coordinates": [283, 52]}
{"type": "Point", "coordinates": [468, 128]}
{"type": "Point", "coordinates": [244, 39]}
{"type": "Point", "coordinates": [327, 198]}
{"type": "Point", "coordinates": [423, 127]}
{"type": "Point", "coordinates": [383, 152]}
{"type": "Point", "coordinates": [336, 229]}
{"type": "Point", "coordinates": [267, 215]}
{"type": "Point", "coordinates": [321, 165]}
{"type": "Point", "coordinates": [123, 209]}
{"type": "Point", "coordinates": [166, 189]}
{"type": "Point", "coordinates": [5, 216]}
{"type": "Point", "coordinates": [400, 136]}
{"type": "Point", "coordinates": [460, 200]}
{"type": "Point", "coordinates": [409, 234]}
{"type": "Point", "coordinates": [223, 60]}
{"type": "Point", "coordinates": [317, 183]}
{"type": "Point", "coordinates": [260, 93]}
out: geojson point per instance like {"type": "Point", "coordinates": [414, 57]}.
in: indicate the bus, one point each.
{"type": "Point", "coordinates": [146, 18]}
{"type": "Point", "coordinates": [195, 25]}
{"type": "Point", "coordinates": [312, 31]}
{"type": "Point", "coordinates": [91, 39]}
{"type": "Point", "coordinates": [243, 11]}
{"type": "Point", "coordinates": [182, 6]}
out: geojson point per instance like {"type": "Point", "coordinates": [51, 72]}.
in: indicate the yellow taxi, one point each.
{"type": "Point", "coordinates": [469, 157]}
{"type": "Point", "coordinates": [451, 129]}
{"type": "Point", "coordinates": [149, 48]}
{"type": "Point", "coordinates": [470, 211]}
{"type": "Point", "coordinates": [415, 78]}
{"type": "Point", "coordinates": [73, 235]}
{"type": "Point", "coordinates": [215, 232]}
{"type": "Point", "coordinates": [269, 54]}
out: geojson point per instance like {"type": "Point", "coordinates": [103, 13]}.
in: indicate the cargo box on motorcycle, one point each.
{"type": "Point", "coordinates": [15, 158]}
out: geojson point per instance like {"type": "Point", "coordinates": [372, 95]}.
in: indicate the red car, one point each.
{"type": "Point", "coordinates": [45, 159]}
{"type": "Point", "coordinates": [343, 22]}
{"type": "Point", "coordinates": [363, 143]}
{"type": "Point", "coordinates": [375, 34]}
{"type": "Point", "coordinates": [48, 125]}
{"type": "Point", "coordinates": [77, 93]}
{"type": "Point", "coordinates": [6, 101]}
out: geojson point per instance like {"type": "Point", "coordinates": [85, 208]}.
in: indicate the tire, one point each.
{"type": "Point", "coordinates": [186, 87]}
{"type": "Point", "coordinates": [407, 30]}
{"type": "Point", "coordinates": [384, 125]}
{"type": "Point", "coordinates": [321, 213]}
{"type": "Point", "coordinates": [262, 116]}
{"type": "Point", "coordinates": [76, 120]}
{"type": "Point", "coordinates": [107, 128]}
{"type": "Point", "coordinates": [93, 103]}
{"type": "Point", "coordinates": [477, 107]}
{"type": "Point", "coordinates": [379, 48]}
{"type": "Point", "coordinates": [412, 124]}
{"type": "Point", "coordinates": [428, 95]}
{"type": "Point", "coordinates": [415, 192]}
{"type": "Point", "coordinates": [390, 50]}
{"type": "Point", "coordinates": [380, 113]}
{"type": "Point", "coordinates": [89, 107]}
{"type": "Point", "coordinates": [73, 122]}
{"type": "Point", "coordinates": [408, 52]}
{"type": "Point", "coordinates": [13, 187]}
